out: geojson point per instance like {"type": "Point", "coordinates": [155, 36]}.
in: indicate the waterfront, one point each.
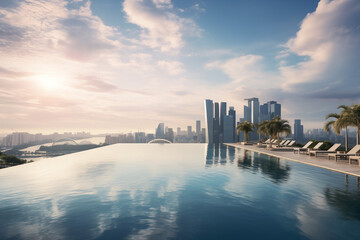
{"type": "Point", "coordinates": [185, 191]}
{"type": "Point", "coordinates": [92, 140]}
{"type": "Point", "coordinates": [341, 166]}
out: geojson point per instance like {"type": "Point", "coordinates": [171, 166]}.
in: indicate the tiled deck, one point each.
{"type": "Point", "coordinates": [341, 166]}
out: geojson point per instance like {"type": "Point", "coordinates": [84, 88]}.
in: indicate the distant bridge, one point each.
{"type": "Point", "coordinates": [65, 140]}
{"type": "Point", "coordinates": [159, 140]}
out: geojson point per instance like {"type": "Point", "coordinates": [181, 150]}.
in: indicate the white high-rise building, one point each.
{"type": "Point", "coordinates": [209, 124]}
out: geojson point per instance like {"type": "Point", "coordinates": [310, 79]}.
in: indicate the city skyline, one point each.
{"type": "Point", "coordinates": [110, 66]}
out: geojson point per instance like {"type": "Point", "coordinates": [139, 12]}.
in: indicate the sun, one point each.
{"type": "Point", "coordinates": [48, 82]}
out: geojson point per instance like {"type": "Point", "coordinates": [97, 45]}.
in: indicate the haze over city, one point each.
{"type": "Point", "coordinates": [108, 66]}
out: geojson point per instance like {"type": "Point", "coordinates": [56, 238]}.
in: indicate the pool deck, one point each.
{"type": "Point", "coordinates": [341, 166]}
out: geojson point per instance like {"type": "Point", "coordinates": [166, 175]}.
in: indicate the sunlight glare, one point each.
{"type": "Point", "coordinates": [49, 82]}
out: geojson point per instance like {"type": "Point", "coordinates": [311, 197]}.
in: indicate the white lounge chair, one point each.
{"type": "Point", "coordinates": [354, 158]}
{"type": "Point", "coordinates": [317, 146]}
{"type": "Point", "coordinates": [345, 156]}
{"type": "Point", "coordinates": [290, 143]}
{"type": "Point", "coordinates": [330, 150]}
{"type": "Point", "coordinates": [284, 147]}
{"type": "Point", "coordinates": [304, 148]}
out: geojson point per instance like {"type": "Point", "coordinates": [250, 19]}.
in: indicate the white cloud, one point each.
{"type": "Point", "coordinates": [244, 70]}
{"type": "Point", "coordinates": [329, 38]}
{"type": "Point", "coordinates": [172, 67]}
{"type": "Point", "coordinates": [161, 27]}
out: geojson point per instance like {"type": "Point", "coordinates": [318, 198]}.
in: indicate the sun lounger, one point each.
{"type": "Point", "coordinates": [283, 144]}
{"type": "Point", "coordinates": [273, 142]}
{"type": "Point", "coordinates": [290, 143]}
{"type": "Point", "coordinates": [284, 147]}
{"type": "Point", "coordinates": [321, 152]}
{"type": "Point", "coordinates": [354, 158]}
{"type": "Point", "coordinates": [317, 146]}
{"type": "Point", "coordinates": [345, 156]}
{"type": "Point", "coordinates": [304, 148]}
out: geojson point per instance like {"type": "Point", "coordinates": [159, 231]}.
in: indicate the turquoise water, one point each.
{"type": "Point", "coordinates": [175, 191]}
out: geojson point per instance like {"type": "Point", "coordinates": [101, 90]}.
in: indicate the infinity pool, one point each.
{"type": "Point", "coordinates": [175, 191]}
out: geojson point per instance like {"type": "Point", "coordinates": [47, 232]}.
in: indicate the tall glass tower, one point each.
{"type": "Point", "coordinates": [209, 121]}
{"type": "Point", "coordinates": [251, 112]}
{"type": "Point", "coordinates": [222, 116]}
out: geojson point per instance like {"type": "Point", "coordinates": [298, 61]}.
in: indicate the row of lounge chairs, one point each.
{"type": "Point", "coordinates": [332, 152]}
{"type": "Point", "coordinates": [352, 155]}
{"type": "Point", "coordinates": [276, 143]}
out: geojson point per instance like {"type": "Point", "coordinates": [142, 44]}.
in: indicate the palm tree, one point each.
{"type": "Point", "coordinates": [342, 121]}
{"type": "Point", "coordinates": [263, 128]}
{"type": "Point", "coordinates": [352, 115]}
{"type": "Point", "coordinates": [245, 127]}
{"type": "Point", "coordinates": [278, 126]}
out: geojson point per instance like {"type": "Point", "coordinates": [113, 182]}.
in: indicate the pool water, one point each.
{"type": "Point", "coordinates": [175, 191]}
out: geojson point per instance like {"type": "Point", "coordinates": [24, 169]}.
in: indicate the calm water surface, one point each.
{"type": "Point", "coordinates": [175, 191]}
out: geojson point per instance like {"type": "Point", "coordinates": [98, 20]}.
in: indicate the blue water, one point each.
{"type": "Point", "coordinates": [175, 191]}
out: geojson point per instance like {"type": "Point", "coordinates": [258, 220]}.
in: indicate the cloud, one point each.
{"type": "Point", "coordinates": [329, 38]}
{"type": "Point", "coordinates": [172, 67]}
{"type": "Point", "coordinates": [10, 74]}
{"type": "Point", "coordinates": [35, 27]}
{"type": "Point", "coordinates": [91, 83]}
{"type": "Point", "coordinates": [244, 70]}
{"type": "Point", "coordinates": [161, 27]}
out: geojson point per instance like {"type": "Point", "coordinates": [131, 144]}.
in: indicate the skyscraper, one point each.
{"type": "Point", "coordinates": [189, 131]}
{"type": "Point", "coordinates": [298, 130]}
{"type": "Point", "coordinates": [169, 135]}
{"type": "Point", "coordinates": [252, 110]}
{"type": "Point", "coordinates": [160, 131]}
{"type": "Point", "coordinates": [228, 133]}
{"type": "Point", "coordinates": [209, 136]}
{"type": "Point", "coordinates": [270, 110]}
{"type": "Point", "coordinates": [232, 113]}
{"type": "Point", "coordinates": [216, 123]}
{"type": "Point", "coordinates": [274, 109]}
{"type": "Point", "coordinates": [198, 127]}
{"type": "Point", "coordinates": [222, 115]}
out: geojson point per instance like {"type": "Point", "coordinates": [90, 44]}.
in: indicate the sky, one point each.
{"type": "Point", "coordinates": [118, 66]}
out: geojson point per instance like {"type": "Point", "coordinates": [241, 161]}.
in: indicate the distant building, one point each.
{"type": "Point", "coordinates": [209, 136]}
{"type": "Point", "coordinates": [150, 137]}
{"type": "Point", "coordinates": [252, 110]}
{"type": "Point", "coordinates": [270, 110]}
{"type": "Point", "coordinates": [223, 109]}
{"type": "Point", "coordinates": [189, 131]}
{"type": "Point", "coordinates": [216, 123]}
{"type": "Point", "coordinates": [228, 135]}
{"type": "Point", "coordinates": [160, 131]}
{"type": "Point", "coordinates": [140, 137]}
{"type": "Point", "coordinates": [178, 131]}
{"type": "Point", "coordinates": [232, 113]}
{"type": "Point", "coordinates": [169, 135]}
{"type": "Point", "coordinates": [298, 130]}
{"type": "Point", "coordinates": [130, 138]}
{"type": "Point", "coordinates": [198, 127]}
{"type": "Point", "coordinates": [111, 140]}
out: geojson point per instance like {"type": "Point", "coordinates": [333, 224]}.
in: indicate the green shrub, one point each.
{"type": "Point", "coordinates": [9, 159]}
